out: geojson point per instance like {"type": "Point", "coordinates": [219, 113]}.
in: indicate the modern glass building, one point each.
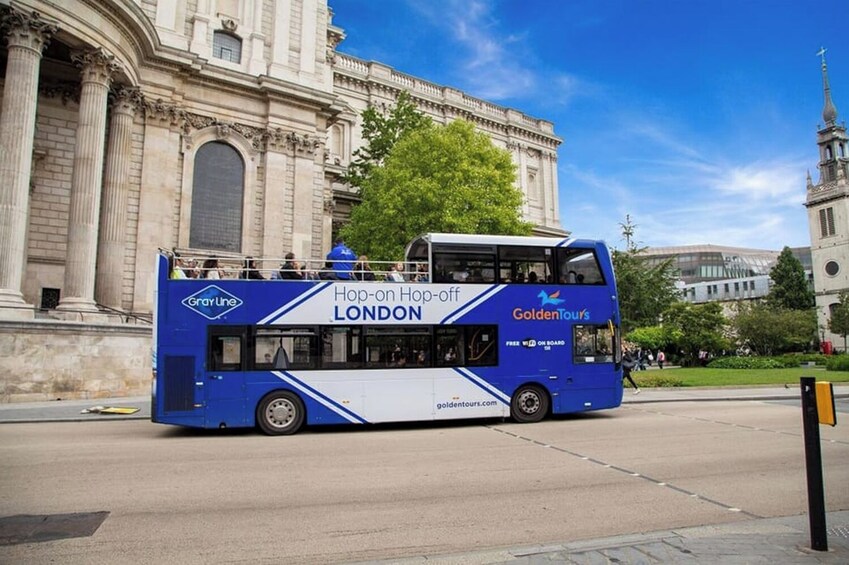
{"type": "Point", "coordinates": [709, 273]}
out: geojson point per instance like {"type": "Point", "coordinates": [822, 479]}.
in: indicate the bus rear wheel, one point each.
{"type": "Point", "coordinates": [529, 404]}
{"type": "Point", "coordinates": [280, 413]}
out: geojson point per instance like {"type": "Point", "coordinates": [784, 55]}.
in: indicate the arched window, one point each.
{"type": "Point", "coordinates": [828, 154]}
{"type": "Point", "coordinates": [227, 47]}
{"type": "Point", "coordinates": [217, 196]}
{"type": "Point", "coordinates": [841, 150]}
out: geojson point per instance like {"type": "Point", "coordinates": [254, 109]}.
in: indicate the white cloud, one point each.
{"type": "Point", "coordinates": [677, 195]}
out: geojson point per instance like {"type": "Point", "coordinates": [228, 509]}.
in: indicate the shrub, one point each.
{"type": "Point", "coordinates": [748, 363]}
{"type": "Point", "coordinates": [817, 358]}
{"type": "Point", "coordinates": [838, 363]}
{"type": "Point", "coordinates": [656, 380]}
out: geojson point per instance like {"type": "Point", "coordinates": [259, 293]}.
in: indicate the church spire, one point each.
{"type": "Point", "coordinates": [829, 112]}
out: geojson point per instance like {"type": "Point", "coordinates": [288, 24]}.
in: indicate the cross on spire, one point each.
{"type": "Point", "coordinates": [821, 53]}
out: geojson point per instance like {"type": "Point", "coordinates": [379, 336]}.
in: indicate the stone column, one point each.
{"type": "Point", "coordinates": [27, 36]}
{"type": "Point", "coordinates": [97, 70]}
{"type": "Point", "coordinates": [113, 212]}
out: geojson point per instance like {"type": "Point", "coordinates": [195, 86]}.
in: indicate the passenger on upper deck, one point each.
{"type": "Point", "coordinates": [249, 271]}
{"type": "Point", "coordinates": [210, 269]}
{"type": "Point", "coordinates": [343, 260]}
{"type": "Point", "coordinates": [291, 269]}
{"type": "Point", "coordinates": [395, 273]}
{"type": "Point", "coordinates": [178, 270]}
{"type": "Point", "coordinates": [362, 270]}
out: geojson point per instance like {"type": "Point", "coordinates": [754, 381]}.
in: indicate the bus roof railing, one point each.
{"type": "Point", "coordinates": [232, 267]}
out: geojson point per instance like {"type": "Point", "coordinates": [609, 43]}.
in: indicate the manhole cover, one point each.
{"type": "Point", "coordinates": [28, 528]}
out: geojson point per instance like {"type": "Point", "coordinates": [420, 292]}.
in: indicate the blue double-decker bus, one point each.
{"type": "Point", "coordinates": [480, 327]}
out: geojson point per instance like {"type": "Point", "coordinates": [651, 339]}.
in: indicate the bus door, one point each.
{"type": "Point", "coordinates": [224, 383]}
{"type": "Point", "coordinates": [595, 365]}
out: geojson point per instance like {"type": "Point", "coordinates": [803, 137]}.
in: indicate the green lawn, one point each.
{"type": "Point", "coordinates": [700, 376]}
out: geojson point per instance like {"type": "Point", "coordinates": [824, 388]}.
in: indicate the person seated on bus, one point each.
{"type": "Point", "coordinates": [520, 278]}
{"type": "Point", "coordinates": [395, 273]}
{"type": "Point", "coordinates": [451, 356]}
{"type": "Point", "coordinates": [572, 277]}
{"type": "Point", "coordinates": [421, 273]}
{"type": "Point", "coordinates": [362, 270]}
{"type": "Point", "coordinates": [249, 270]}
{"type": "Point", "coordinates": [475, 277]}
{"type": "Point", "coordinates": [178, 270]}
{"type": "Point", "coordinates": [327, 273]}
{"type": "Point", "coordinates": [401, 361]}
{"type": "Point", "coordinates": [532, 277]}
{"type": "Point", "coordinates": [291, 269]}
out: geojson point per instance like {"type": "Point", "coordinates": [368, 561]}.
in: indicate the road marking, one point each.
{"type": "Point", "coordinates": [627, 472]}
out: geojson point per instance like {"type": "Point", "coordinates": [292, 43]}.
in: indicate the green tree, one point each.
{"type": "Point", "coordinates": [699, 327]}
{"type": "Point", "coordinates": [790, 286]}
{"type": "Point", "coordinates": [381, 131]}
{"type": "Point", "coordinates": [653, 337]}
{"type": "Point", "coordinates": [436, 179]}
{"type": "Point", "coordinates": [768, 330]}
{"type": "Point", "coordinates": [645, 288]}
{"type": "Point", "coordinates": [839, 321]}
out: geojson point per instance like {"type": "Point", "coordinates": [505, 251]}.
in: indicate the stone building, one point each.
{"type": "Point", "coordinates": [828, 215]}
{"type": "Point", "coordinates": [210, 126]}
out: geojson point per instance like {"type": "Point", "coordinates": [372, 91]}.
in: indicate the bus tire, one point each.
{"type": "Point", "coordinates": [529, 404]}
{"type": "Point", "coordinates": [280, 413]}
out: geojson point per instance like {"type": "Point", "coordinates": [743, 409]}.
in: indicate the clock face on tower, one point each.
{"type": "Point", "coordinates": [832, 268]}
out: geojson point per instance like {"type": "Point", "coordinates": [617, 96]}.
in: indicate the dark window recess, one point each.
{"type": "Point", "coordinates": [50, 298]}
{"type": "Point", "coordinates": [578, 266]}
{"type": "Point", "coordinates": [217, 196]}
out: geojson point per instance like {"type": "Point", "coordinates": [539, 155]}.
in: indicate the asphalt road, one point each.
{"type": "Point", "coordinates": [352, 494]}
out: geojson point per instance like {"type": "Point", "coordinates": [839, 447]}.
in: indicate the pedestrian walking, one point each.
{"type": "Point", "coordinates": [628, 364]}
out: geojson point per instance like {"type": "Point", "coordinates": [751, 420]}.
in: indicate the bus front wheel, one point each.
{"type": "Point", "coordinates": [280, 413]}
{"type": "Point", "coordinates": [529, 404]}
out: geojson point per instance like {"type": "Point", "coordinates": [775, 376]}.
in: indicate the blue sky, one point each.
{"type": "Point", "coordinates": [697, 118]}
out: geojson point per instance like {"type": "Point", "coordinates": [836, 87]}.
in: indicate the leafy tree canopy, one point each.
{"type": "Point", "coordinates": [839, 322]}
{"type": "Point", "coordinates": [790, 286]}
{"type": "Point", "coordinates": [698, 327]}
{"type": "Point", "coordinates": [645, 289]}
{"type": "Point", "coordinates": [654, 337]}
{"type": "Point", "coordinates": [381, 131]}
{"type": "Point", "coordinates": [436, 179]}
{"type": "Point", "coordinates": [768, 330]}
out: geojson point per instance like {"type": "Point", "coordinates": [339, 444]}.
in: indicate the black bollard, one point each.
{"type": "Point", "coordinates": [813, 465]}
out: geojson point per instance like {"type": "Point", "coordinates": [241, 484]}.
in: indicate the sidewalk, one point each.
{"type": "Point", "coordinates": [771, 541]}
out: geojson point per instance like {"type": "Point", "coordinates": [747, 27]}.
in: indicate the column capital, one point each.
{"type": "Point", "coordinates": [97, 65]}
{"type": "Point", "coordinates": [126, 99]}
{"type": "Point", "coordinates": [26, 29]}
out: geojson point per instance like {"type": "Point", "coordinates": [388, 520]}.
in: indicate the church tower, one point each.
{"type": "Point", "coordinates": [828, 214]}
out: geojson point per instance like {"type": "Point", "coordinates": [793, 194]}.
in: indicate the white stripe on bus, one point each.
{"type": "Point", "coordinates": [352, 417]}
{"type": "Point", "coordinates": [474, 303]}
{"type": "Point", "coordinates": [293, 303]}
{"type": "Point", "coordinates": [483, 384]}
